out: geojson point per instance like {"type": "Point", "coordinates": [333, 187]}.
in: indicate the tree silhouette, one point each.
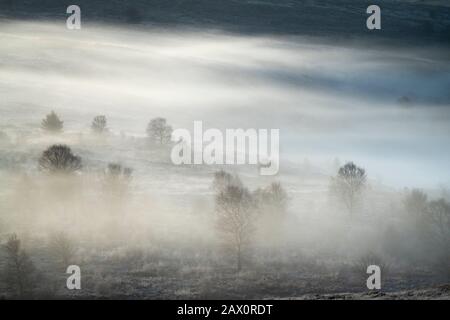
{"type": "Point", "coordinates": [159, 131]}
{"type": "Point", "coordinates": [439, 222]}
{"type": "Point", "coordinates": [116, 179]}
{"type": "Point", "coordinates": [272, 199]}
{"type": "Point", "coordinates": [115, 183]}
{"type": "Point", "coordinates": [416, 202]}
{"type": "Point", "coordinates": [348, 185]}
{"type": "Point", "coordinates": [416, 205]}
{"type": "Point", "coordinates": [271, 206]}
{"type": "Point", "coordinates": [234, 208]}
{"type": "Point", "coordinates": [19, 270]}
{"type": "Point", "coordinates": [223, 179]}
{"type": "Point", "coordinates": [99, 124]}
{"type": "Point", "coordinates": [52, 123]}
{"type": "Point", "coordinates": [59, 159]}
{"type": "Point", "coordinates": [117, 171]}
{"type": "Point", "coordinates": [439, 214]}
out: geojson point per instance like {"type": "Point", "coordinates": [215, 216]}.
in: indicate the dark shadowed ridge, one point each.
{"type": "Point", "coordinates": [403, 22]}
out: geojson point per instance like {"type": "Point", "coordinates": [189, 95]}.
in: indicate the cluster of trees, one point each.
{"type": "Point", "coordinates": [429, 215]}
{"type": "Point", "coordinates": [431, 218]}
{"type": "Point", "coordinates": [158, 130]}
{"type": "Point", "coordinates": [59, 159]}
{"type": "Point", "coordinates": [238, 210]}
{"type": "Point", "coordinates": [431, 228]}
{"type": "Point", "coordinates": [63, 180]}
{"type": "Point", "coordinates": [20, 275]}
{"type": "Point", "coordinates": [351, 181]}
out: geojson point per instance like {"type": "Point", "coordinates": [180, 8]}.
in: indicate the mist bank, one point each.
{"type": "Point", "coordinates": [386, 109]}
{"type": "Point", "coordinates": [149, 229]}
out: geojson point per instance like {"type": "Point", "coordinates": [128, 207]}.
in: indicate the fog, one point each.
{"type": "Point", "coordinates": [386, 109]}
{"type": "Point", "coordinates": [329, 101]}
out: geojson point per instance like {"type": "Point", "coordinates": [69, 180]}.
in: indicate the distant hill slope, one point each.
{"type": "Point", "coordinates": [416, 22]}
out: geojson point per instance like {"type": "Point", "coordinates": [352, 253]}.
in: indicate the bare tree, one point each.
{"type": "Point", "coordinates": [59, 159]}
{"type": "Point", "coordinates": [271, 203]}
{"type": "Point", "coordinates": [223, 179]}
{"type": "Point", "coordinates": [272, 199]}
{"type": "Point", "coordinates": [416, 206]}
{"type": "Point", "coordinates": [19, 273]}
{"type": "Point", "coordinates": [415, 202]}
{"type": "Point", "coordinates": [116, 179]}
{"type": "Point", "coordinates": [439, 223]}
{"type": "Point", "coordinates": [159, 131]}
{"type": "Point", "coordinates": [371, 258]}
{"type": "Point", "coordinates": [234, 207]}
{"type": "Point", "coordinates": [115, 183]}
{"type": "Point", "coordinates": [349, 184]}
{"type": "Point", "coordinates": [99, 124]}
{"type": "Point", "coordinates": [52, 123]}
{"type": "Point", "coordinates": [439, 215]}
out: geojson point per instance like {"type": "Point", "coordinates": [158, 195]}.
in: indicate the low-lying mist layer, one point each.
{"type": "Point", "coordinates": [103, 195]}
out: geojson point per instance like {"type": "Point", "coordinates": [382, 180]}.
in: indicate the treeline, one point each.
{"type": "Point", "coordinates": [158, 130]}
{"type": "Point", "coordinates": [239, 213]}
